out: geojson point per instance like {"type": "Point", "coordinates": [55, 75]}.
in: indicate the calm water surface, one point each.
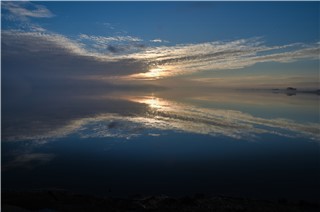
{"type": "Point", "coordinates": [252, 144]}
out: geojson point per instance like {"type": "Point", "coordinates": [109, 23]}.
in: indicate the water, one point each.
{"type": "Point", "coordinates": [172, 142]}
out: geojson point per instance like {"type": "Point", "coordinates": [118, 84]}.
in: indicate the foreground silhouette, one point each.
{"type": "Point", "coordinates": [65, 201]}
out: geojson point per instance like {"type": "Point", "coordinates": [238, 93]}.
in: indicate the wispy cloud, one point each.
{"type": "Point", "coordinates": [128, 57]}
{"type": "Point", "coordinates": [125, 56]}
{"type": "Point", "coordinates": [106, 40]}
{"type": "Point", "coordinates": [190, 58]}
{"type": "Point", "coordinates": [108, 25]}
{"type": "Point", "coordinates": [158, 40]}
{"type": "Point", "coordinates": [112, 44]}
{"type": "Point", "coordinates": [23, 10]}
{"type": "Point", "coordinates": [37, 42]}
{"type": "Point", "coordinates": [43, 55]}
{"type": "Point", "coordinates": [28, 160]}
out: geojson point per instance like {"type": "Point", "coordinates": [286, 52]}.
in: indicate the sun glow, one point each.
{"type": "Point", "coordinates": [155, 72]}
{"type": "Point", "coordinates": [152, 74]}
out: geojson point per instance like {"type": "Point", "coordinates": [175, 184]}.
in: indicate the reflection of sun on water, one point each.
{"type": "Point", "coordinates": [153, 103]}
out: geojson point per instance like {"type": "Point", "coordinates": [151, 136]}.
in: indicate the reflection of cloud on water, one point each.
{"type": "Point", "coordinates": [28, 160]}
{"type": "Point", "coordinates": [168, 115]}
{"type": "Point", "coordinates": [236, 124]}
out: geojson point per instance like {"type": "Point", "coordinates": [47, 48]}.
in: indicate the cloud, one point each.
{"type": "Point", "coordinates": [112, 44]}
{"type": "Point", "coordinates": [190, 58]}
{"type": "Point", "coordinates": [158, 41]}
{"type": "Point", "coordinates": [108, 25]}
{"type": "Point", "coordinates": [53, 55]}
{"type": "Point", "coordinates": [22, 10]}
{"type": "Point", "coordinates": [37, 56]}
{"type": "Point", "coordinates": [106, 40]}
{"type": "Point", "coordinates": [28, 160]}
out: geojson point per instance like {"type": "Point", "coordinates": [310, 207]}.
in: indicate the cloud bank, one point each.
{"type": "Point", "coordinates": [38, 56]}
{"type": "Point", "coordinates": [191, 58]}
{"type": "Point", "coordinates": [50, 54]}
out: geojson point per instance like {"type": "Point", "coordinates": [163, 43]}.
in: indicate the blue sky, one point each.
{"type": "Point", "coordinates": [188, 22]}
{"type": "Point", "coordinates": [195, 41]}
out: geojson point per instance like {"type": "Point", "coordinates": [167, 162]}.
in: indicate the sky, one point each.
{"type": "Point", "coordinates": [169, 44]}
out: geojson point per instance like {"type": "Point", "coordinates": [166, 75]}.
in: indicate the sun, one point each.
{"type": "Point", "coordinates": [154, 73]}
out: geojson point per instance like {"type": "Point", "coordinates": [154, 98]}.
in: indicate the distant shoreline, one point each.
{"type": "Point", "coordinates": [281, 91]}
{"type": "Point", "coordinates": [65, 201]}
